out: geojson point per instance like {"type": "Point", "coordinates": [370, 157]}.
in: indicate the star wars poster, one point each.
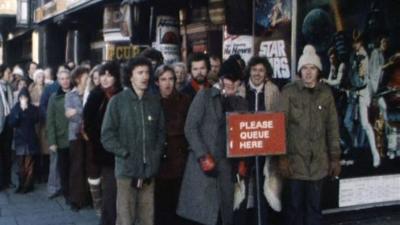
{"type": "Point", "coordinates": [273, 29]}
{"type": "Point", "coordinates": [357, 41]}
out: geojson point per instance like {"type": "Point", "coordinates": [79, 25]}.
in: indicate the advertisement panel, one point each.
{"type": "Point", "coordinates": [357, 41]}
{"type": "Point", "coordinates": [273, 26]}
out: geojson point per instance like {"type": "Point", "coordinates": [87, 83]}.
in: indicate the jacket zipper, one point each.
{"type": "Point", "coordinates": [144, 134]}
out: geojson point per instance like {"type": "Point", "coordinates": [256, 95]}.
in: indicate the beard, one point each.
{"type": "Point", "coordinates": [200, 79]}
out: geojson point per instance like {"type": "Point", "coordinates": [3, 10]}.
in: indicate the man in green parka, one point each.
{"type": "Point", "coordinates": [133, 129]}
{"type": "Point", "coordinates": [313, 150]}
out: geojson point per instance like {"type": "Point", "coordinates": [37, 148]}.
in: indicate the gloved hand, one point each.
{"type": "Point", "coordinates": [334, 168]}
{"type": "Point", "coordinates": [243, 169]}
{"type": "Point", "coordinates": [207, 163]}
{"type": "Point", "coordinates": [284, 167]}
{"type": "Point", "coordinates": [342, 48]}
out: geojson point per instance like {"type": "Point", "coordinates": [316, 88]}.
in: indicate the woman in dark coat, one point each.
{"type": "Point", "coordinates": [100, 162]}
{"type": "Point", "coordinates": [23, 118]}
{"type": "Point", "coordinates": [168, 182]}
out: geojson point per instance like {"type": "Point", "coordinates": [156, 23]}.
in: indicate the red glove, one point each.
{"type": "Point", "coordinates": [207, 163]}
{"type": "Point", "coordinates": [243, 169]}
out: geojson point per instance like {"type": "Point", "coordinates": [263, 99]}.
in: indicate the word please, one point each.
{"type": "Point", "coordinates": [254, 125]}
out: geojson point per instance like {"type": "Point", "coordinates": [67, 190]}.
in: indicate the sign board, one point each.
{"type": "Point", "coordinates": [8, 7]}
{"type": "Point", "coordinates": [256, 134]}
{"type": "Point", "coordinates": [122, 51]}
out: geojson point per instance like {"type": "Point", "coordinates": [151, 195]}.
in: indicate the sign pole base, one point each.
{"type": "Point", "coordinates": [258, 194]}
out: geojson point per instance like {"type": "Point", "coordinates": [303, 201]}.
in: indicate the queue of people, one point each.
{"type": "Point", "coordinates": [145, 143]}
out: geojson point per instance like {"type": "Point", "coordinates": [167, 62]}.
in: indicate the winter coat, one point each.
{"type": "Point", "coordinates": [93, 114]}
{"type": "Point", "coordinates": [312, 132]}
{"type": "Point", "coordinates": [74, 101]}
{"type": "Point", "coordinates": [6, 102]}
{"type": "Point", "coordinates": [265, 100]}
{"type": "Point", "coordinates": [24, 121]}
{"type": "Point", "coordinates": [133, 129]}
{"type": "Point", "coordinates": [57, 123]}
{"type": "Point", "coordinates": [44, 99]}
{"type": "Point", "coordinates": [203, 197]}
{"type": "Point", "coordinates": [175, 109]}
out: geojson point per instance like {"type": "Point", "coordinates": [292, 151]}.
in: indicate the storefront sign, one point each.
{"type": "Point", "coordinates": [56, 7]}
{"type": "Point", "coordinates": [237, 44]}
{"type": "Point", "coordinates": [122, 51]}
{"type": "Point", "coordinates": [8, 7]}
{"type": "Point", "coordinates": [256, 134]}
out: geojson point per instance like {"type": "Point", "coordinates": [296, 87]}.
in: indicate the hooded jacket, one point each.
{"type": "Point", "coordinates": [24, 121]}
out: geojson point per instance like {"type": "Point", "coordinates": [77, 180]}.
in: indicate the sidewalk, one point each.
{"type": "Point", "coordinates": [36, 209]}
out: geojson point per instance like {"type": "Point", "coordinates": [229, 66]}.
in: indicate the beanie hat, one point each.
{"type": "Point", "coordinates": [37, 73]}
{"type": "Point", "coordinates": [309, 56]}
{"type": "Point", "coordinates": [18, 71]}
{"type": "Point", "coordinates": [231, 70]}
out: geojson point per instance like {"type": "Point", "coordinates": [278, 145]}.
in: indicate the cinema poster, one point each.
{"type": "Point", "coordinates": [273, 29]}
{"type": "Point", "coordinates": [358, 42]}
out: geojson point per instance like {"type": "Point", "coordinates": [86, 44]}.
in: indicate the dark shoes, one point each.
{"type": "Point", "coordinates": [74, 207]}
{"type": "Point", "coordinates": [27, 189]}
{"type": "Point", "coordinates": [54, 195]}
{"type": "Point", "coordinates": [18, 190]}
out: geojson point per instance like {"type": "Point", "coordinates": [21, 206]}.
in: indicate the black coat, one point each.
{"type": "Point", "coordinates": [93, 114]}
{"type": "Point", "coordinates": [24, 123]}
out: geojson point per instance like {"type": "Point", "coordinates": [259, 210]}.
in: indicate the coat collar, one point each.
{"type": "Point", "coordinates": [131, 93]}
{"type": "Point", "coordinates": [300, 85]}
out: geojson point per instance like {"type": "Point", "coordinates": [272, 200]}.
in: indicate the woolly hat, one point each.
{"type": "Point", "coordinates": [309, 56]}
{"type": "Point", "coordinates": [18, 71]}
{"type": "Point", "coordinates": [231, 70]}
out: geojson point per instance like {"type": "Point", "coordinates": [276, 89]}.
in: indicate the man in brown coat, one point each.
{"type": "Point", "coordinates": [313, 149]}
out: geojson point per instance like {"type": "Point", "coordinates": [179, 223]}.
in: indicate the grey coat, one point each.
{"type": "Point", "coordinates": [202, 197]}
{"type": "Point", "coordinates": [74, 101]}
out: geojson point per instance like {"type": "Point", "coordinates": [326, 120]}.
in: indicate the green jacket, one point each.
{"type": "Point", "coordinates": [57, 123]}
{"type": "Point", "coordinates": [133, 129]}
{"type": "Point", "coordinates": [312, 130]}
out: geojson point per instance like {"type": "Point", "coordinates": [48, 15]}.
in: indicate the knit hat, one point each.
{"type": "Point", "coordinates": [231, 70]}
{"type": "Point", "coordinates": [309, 56]}
{"type": "Point", "coordinates": [18, 71]}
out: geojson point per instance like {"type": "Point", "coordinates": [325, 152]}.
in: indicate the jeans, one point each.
{"type": "Point", "coordinates": [53, 183]}
{"type": "Point", "coordinates": [302, 202]}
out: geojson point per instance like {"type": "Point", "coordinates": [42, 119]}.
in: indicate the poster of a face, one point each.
{"type": "Point", "coordinates": [357, 41]}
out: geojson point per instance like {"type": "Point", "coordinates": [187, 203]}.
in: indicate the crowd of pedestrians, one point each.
{"type": "Point", "coordinates": [144, 143]}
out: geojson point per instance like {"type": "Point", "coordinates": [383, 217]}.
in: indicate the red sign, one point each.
{"type": "Point", "coordinates": [256, 134]}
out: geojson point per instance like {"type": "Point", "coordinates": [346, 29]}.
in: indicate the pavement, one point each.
{"type": "Point", "coordinates": [35, 208]}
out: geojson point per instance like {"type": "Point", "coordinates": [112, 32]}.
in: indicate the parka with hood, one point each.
{"type": "Point", "coordinates": [24, 121]}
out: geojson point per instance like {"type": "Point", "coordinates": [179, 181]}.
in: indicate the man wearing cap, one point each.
{"type": "Point", "coordinates": [313, 150]}
{"type": "Point", "coordinates": [207, 189]}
